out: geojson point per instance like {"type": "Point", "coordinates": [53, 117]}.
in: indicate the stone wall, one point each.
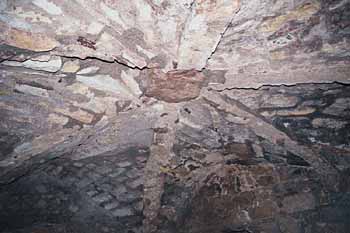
{"type": "Point", "coordinates": [268, 160]}
{"type": "Point", "coordinates": [275, 159]}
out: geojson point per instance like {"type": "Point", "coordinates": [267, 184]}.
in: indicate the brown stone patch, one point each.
{"type": "Point", "coordinates": [27, 40]}
{"type": "Point", "coordinates": [174, 86]}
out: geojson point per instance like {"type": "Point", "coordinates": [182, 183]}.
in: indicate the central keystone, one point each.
{"type": "Point", "coordinates": [174, 86]}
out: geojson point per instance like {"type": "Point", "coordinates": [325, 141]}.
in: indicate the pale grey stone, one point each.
{"type": "Point", "coordinates": [77, 164]}
{"type": "Point", "coordinates": [124, 164]}
{"type": "Point", "coordinates": [102, 197]}
{"type": "Point", "coordinates": [52, 65]}
{"type": "Point", "coordinates": [116, 172]}
{"type": "Point", "coordinates": [105, 83]}
{"type": "Point", "coordinates": [111, 205]}
{"type": "Point", "coordinates": [278, 101]}
{"type": "Point", "coordinates": [92, 193]}
{"type": "Point", "coordinates": [122, 212]}
{"type": "Point", "coordinates": [48, 6]}
{"type": "Point", "coordinates": [32, 90]}
{"type": "Point", "coordinates": [89, 70]}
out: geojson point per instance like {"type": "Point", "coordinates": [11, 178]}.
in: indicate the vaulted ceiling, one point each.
{"type": "Point", "coordinates": [248, 43]}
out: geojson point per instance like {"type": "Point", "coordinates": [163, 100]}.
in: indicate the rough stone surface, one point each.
{"type": "Point", "coordinates": [158, 116]}
{"type": "Point", "coordinates": [51, 65]}
{"type": "Point", "coordinates": [83, 196]}
{"type": "Point", "coordinates": [216, 164]}
{"type": "Point", "coordinates": [174, 86]}
{"type": "Point", "coordinates": [268, 43]}
{"type": "Point", "coordinates": [253, 42]}
{"type": "Point", "coordinates": [71, 66]}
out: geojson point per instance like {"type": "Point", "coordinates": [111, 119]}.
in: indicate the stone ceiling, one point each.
{"type": "Point", "coordinates": [225, 97]}
{"type": "Point", "coordinates": [249, 43]}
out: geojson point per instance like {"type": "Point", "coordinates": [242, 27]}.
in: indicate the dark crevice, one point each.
{"type": "Point", "coordinates": [222, 34]}
{"type": "Point", "coordinates": [105, 61]}
{"type": "Point", "coordinates": [278, 85]}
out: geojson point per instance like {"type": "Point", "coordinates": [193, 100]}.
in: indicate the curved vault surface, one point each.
{"type": "Point", "coordinates": [174, 116]}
